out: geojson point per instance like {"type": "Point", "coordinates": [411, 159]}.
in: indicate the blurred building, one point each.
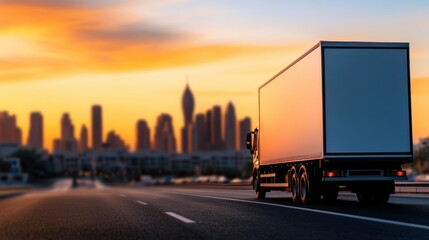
{"type": "Point", "coordinates": [216, 130]}
{"type": "Point", "coordinates": [56, 144]}
{"type": "Point", "coordinates": [198, 140]}
{"type": "Point", "coordinates": [165, 140]}
{"type": "Point", "coordinates": [208, 130]}
{"type": "Point", "coordinates": [35, 135]}
{"type": "Point", "coordinates": [9, 131]}
{"type": "Point", "coordinates": [68, 140]}
{"type": "Point", "coordinates": [188, 105]}
{"type": "Point", "coordinates": [83, 139]}
{"type": "Point", "coordinates": [230, 128]}
{"type": "Point", "coordinates": [143, 136]}
{"type": "Point", "coordinates": [245, 127]}
{"type": "Point", "coordinates": [112, 162]}
{"type": "Point", "coordinates": [97, 127]}
{"type": "Point", "coordinates": [114, 142]}
{"type": "Point", "coordinates": [15, 176]}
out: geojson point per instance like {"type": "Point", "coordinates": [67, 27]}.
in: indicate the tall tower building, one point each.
{"type": "Point", "coordinates": [35, 135]}
{"type": "Point", "coordinates": [216, 132]}
{"type": "Point", "coordinates": [83, 139]}
{"type": "Point", "coordinates": [9, 131]}
{"type": "Point", "coordinates": [188, 105]}
{"type": "Point", "coordinates": [68, 140]}
{"type": "Point", "coordinates": [16, 133]}
{"type": "Point", "coordinates": [5, 130]}
{"type": "Point", "coordinates": [245, 127]}
{"type": "Point", "coordinates": [97, 127]}
{"type": "Point", "coordinates": [143, 136]}
{"type": "Point", "coordinates": [199, 141]}
{"type": "Point", "coordinates": [17, 136]}
{"type": "Point", "coordinates": [165, 140]}
{"type": "Point", "coordinates": [56, 144]}
{"type": "Point", "coordinates": [230, 128]}
{"type": "Point", "coordinates": [208, 130]}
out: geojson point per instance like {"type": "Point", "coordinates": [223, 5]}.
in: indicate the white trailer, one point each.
{"type": "Point", "coordinates": [338, 116]}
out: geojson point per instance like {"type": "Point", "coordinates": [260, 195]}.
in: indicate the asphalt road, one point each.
{"type": "Point", "coordinates": [93, 211]}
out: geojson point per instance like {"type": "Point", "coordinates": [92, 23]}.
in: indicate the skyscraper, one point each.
{"type": "Point", "coordinates": [5, 130]}
{"type": "Point", "coordinates": [68, 140]}
{"type": "Point", "coordinates": [199, 140]}
{"type": "Point", "coordinates": [35, 136]}
{"type": "Point", "coordinates": [230, 128]}
{"type": "Point", "coordinates": [56, 143]}
{"type": "Point", "coordinates": [114, 141]}
{"type": "Point", "coordinates": [9, 131]}
{"type": "Point", "coordinates": [216, 132]}
{"type": "Point", "coordinates": [83, 139]}
{"type": "Point", "coordinates": [188, 105]}
{"type": "Point", "coordinates": [143, 136]}
{"type": "Point", "coordinates": [97, 127]}
{"type": "Point", "coordinates": [208, 130]}
{"type": "Point", "coordinates": [245, 127]}
{"type": "Point", "coordinates": [165, 140]}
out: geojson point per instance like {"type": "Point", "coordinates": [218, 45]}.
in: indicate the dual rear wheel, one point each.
{"type": "Point", "coordinates": [304, 185]}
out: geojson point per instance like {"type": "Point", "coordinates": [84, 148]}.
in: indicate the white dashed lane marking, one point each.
{"type": "Point", "coordinates": [142, 202]}
{"type": "Point", "coordinates": [181, 218]}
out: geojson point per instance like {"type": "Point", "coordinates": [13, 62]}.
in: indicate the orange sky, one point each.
{"type": "Point", "coordinates": [133, 57]}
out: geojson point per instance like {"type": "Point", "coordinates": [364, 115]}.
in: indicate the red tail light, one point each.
{"type": "Point", "coordinates": [399, 173]}
{"type": "Point", "coordinates": [331, 174]}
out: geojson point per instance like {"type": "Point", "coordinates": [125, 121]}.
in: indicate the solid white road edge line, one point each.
{"type": "Point", "coordinates": [370, 219]}
{"type": "Point", "coordinates": [181, 218]}
{"type": "Point", "coordinates": [142, 202]}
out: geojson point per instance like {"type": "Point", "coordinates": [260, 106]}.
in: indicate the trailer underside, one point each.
{"type": "Point", "coordinates": [311, 181]}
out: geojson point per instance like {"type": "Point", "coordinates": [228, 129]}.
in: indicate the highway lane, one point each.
{"type": "Point", "coordinates": [202, 212]}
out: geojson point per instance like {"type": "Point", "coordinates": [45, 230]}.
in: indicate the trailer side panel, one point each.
{"type": "Point", "coordinates": [290, 113]}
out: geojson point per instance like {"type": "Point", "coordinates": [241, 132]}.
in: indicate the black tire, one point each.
{"type": "Point", "coordinates": [381, 198]}
{"type": "Point", "coordinates": [330, 194]}
{"type": "Point", "coordinates": [308, 186]}
{"type": "Point", "coordinates": [260, 194]}
{"type": "Point", "coordinates": [294, 186]}
{"type": "Point", "coordinates": [304, 188]}
{"type": "Point", "coordinates": [364, 197]}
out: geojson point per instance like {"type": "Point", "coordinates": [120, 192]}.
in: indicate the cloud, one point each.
{"type": "Point", "coordinates": [137, 33]}
{"type": "Point", "coordinates": [63, 3]}
{"type": "Point", "coordinates": [47, 42]}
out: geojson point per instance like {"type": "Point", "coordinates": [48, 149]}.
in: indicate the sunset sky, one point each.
{"type": "Point", "coordinates": [135, 57]}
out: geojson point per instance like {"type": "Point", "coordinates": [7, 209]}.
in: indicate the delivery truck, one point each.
{"type": "Point", "coordinates": [337, 118]}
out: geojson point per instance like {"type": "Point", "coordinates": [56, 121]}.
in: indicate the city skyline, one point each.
{"type": "Point", "coordinates": [224, 134]}
{"type": "Point", "coordinates": [65, 57]}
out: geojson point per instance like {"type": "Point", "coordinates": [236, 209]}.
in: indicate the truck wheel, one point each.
{"type": "Point", "coordinates": [330, 194]}
{"type": "Point", "coordinates": [308, 186]}
{"type": "Point", "coordinates": [303, 188]}
{"type": "Point", "coordinates": [294, 186]}
{"type": "Point", "coordinates": [364, 197]}
{"type": "Point", "coordinates": [381, 198]}
{"type": "Point", "coordinates": [260, 194]}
